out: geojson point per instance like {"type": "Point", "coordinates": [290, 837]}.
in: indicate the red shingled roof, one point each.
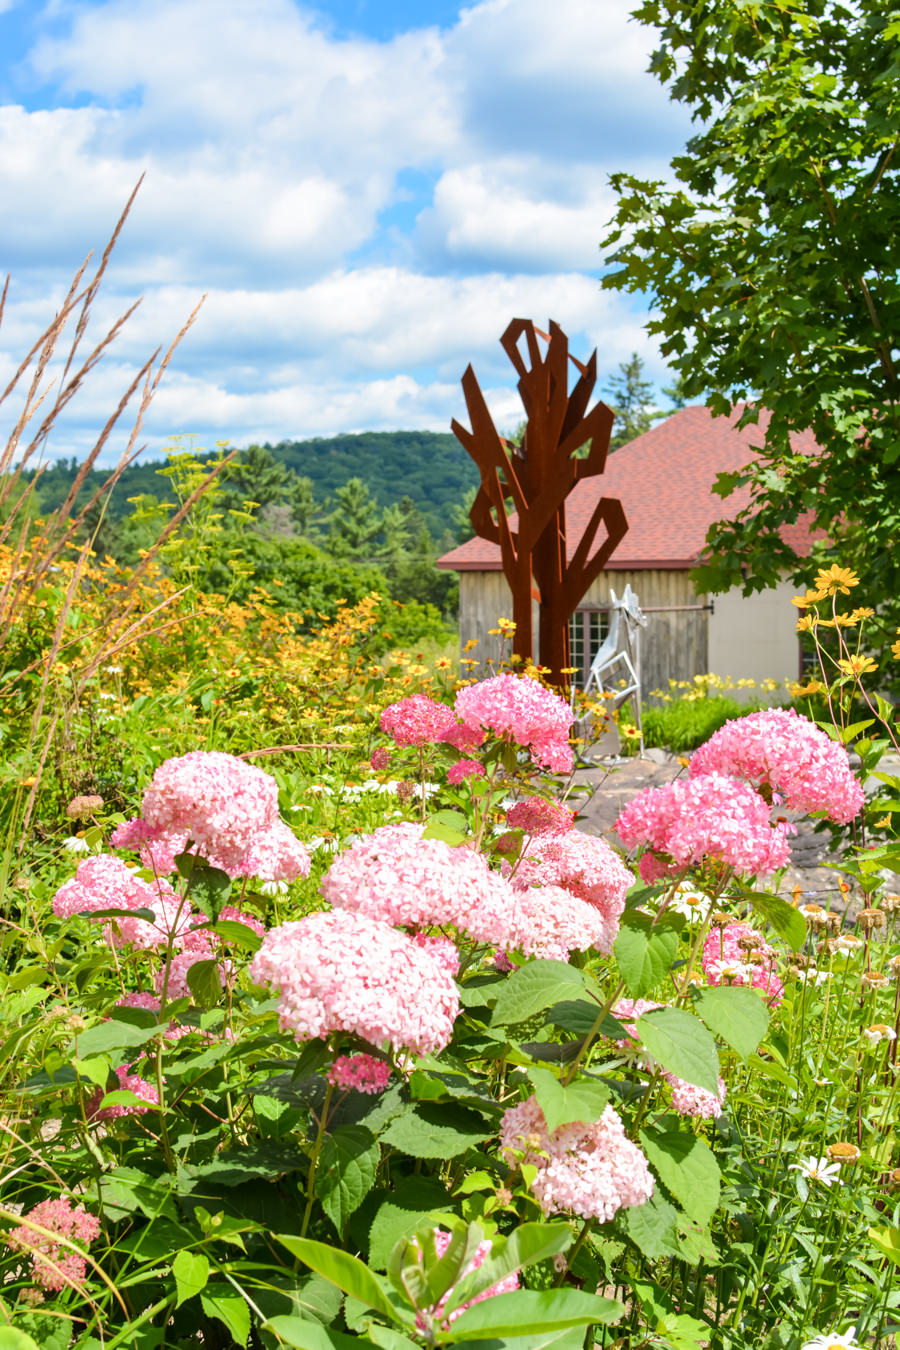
{"type": "Point", "coordinates": [664, 480]}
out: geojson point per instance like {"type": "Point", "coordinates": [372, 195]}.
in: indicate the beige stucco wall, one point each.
{"type": "Point", "coordinates": [745, 637]}
{"type": "Point", "coordinates": [755, 636]}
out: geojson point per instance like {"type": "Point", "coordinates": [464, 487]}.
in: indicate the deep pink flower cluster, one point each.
{"type": "Point", "coordinates": [537, 816]}
{"type": "Point", "coordinates": [364, 1073]}
{"type": "Point", "coordinates": [128, 1082]}
{"type": "Point", "coordinates": [726, 960]}
{"type": "Point", "coordinates": [397, 876]}
{"type": "Point", "coordinates": [224, 809]}
{"type": "Point", "coordinates": [417, 720]}
{"type": "Point", "coordinates": [779, 749]}
{"type": "Point", "coordinates": [504, 1286]}
{"type": "Point", "coordinates": [339, 971]}
{"type": "Point", "coordinates": [380, 758]}
{"type": "Point", "coordinates": [104, 882]}
{"type": "Point", "coordinates": [463, 737]}
{"type": "Point", "coordinates": [589, 1169]}
{"type": "Point", "coordinates": [463, 769]}
{"type": "Point", "coordinates": [54, 1266]}
{"type": "Point", "coordinates": [707, 817]}
{"type": "Point", "coordinates": [522, 710]}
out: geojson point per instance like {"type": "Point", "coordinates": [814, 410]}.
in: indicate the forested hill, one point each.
{"type": "Point", "coordinates": [429, 467]}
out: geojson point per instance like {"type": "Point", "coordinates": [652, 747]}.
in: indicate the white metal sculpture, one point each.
{"type": "Point", "coordinates": [620, 650]}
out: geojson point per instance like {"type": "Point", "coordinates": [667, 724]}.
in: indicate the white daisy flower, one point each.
{"type": "Point", "coordinates": [879, 1032]}
{"type": "Point", "coordinates": [817, 1169]}
{"type": "Point", "coordinates": [830, 1340]}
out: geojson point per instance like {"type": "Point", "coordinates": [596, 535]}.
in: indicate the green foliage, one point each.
{"type": "Point", "coordinates": [770, 265]}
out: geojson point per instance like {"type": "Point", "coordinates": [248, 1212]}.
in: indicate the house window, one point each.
{"type": "Point", "coordinates": [587, 630]}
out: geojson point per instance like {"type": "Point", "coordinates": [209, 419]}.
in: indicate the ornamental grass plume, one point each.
{"type": "Point", "coordinates": [780, 751]}
{"type": "Point", "coordinates": [519, 709]}
{"type": "Point", "coordinates": [53, 1265]}
{"type": "Point", "coordinates": [221, 808]}
{"type": "Point", "coordinates": [708, 817]}
{"type": "Point", "coordinates": [400, 878]}
{"type": "Point", "coordinates": [589, 1169]}
{"type": "Point", "coordinates": [339, 971]}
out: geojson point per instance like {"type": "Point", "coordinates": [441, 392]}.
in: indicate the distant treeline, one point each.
{"type": "Point", "coordinates": [430, 468]}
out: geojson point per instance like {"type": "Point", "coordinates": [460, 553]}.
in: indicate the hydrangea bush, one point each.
{"type": "Point", "coordinates": [477, 1076]}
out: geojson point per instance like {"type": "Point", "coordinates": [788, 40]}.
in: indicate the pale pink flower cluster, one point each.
{"type": "Point", "coordinates": [104, 882]}
{"type": "Point", "coordinates": [364, 1073]}
{"type": "Point", "coordinates": [128, 1082]}
{"type": "Point", "coordinates": [418, 720]}
{"type": "Point", "coordinates": [54, 1266]}
{"type": "Point", "coordinates": [726, 961]}
{"type": "Point", "coordinates": [785, 752]}
{"type": "Point", "coordinates": [442, 949]}
{"type": "Point", "coordinates": [339, 971]}
{"type": "Point", "coordinates": [690, 1100]}
{"type": "Point", "coordinates": [201, 944]}
{"type": "Point", "coordinates": [707, 817]}
{"type": "Point", "coordinates": [463, 769]}
{"type": "Point", "coordinates": [397, 876]}
{"type": "Point", "coordinates": [223, 809]}
{"type": "Point", "coordinates": [627, 1011]}
{"type": "Point", "coordinates": [589, 1169]}
{"type": "Point", "coordinates": [505, 1286]}
{"type": "Point", "coordinates": [139, 999]}
{"type": "Point", "coordinates": [537, 816]}
{"type": "Point", "coordinates": [588, 868]}
{"type": "Point", "coordinates": [522, 710]}
{"type": "Point", "coordinates": [551, 922]}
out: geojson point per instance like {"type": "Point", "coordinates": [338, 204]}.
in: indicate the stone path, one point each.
{"type": "Point", "coordinates": [603, 790]}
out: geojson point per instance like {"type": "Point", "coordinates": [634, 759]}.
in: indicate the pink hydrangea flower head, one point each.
{"type": "Point", "coordinates": [463, 769]}
{"type": "Point", "coordinates": [628, 1010]}
{"type": "Point", "coordinates": [140, 999]}
{"type": "Point", "coordinates": [128, 1082]}
{"type": "Point", "coordinates": [54, 1266]}
{"type": "Point", "coordinates": [341, 971]}
{"type": "Point", "coordinates": [445, 952]}
{"type": "Point", "coordinates": [364, 1073]}
{"type": "Point", "coordinates": [417, 720]}
{"type": "Point", "coordinates": [727, 959]}
{"type": "Point", "coordinates": [690, 1100]}
{"type": "Point", "coordinates": [380, 758]}
{"type": "Point", "coordinates": [219, 802]}
{"type": "Point", "coordinates": [537, 816]}
{"type": "Point", "coordinates": [551, 922]}
{"type": "Point", "coordinates": [104, 882]}
{"type": "Point", "coordinates": [463, 737]}
{"type": "Point", "coordinates": [710, 816]}
{"type": "Point", "coordinates": [275, 855]}
{"type": "Point", "coordinates": [504, 1286]}
{"type": "Point", "coordinates": [583, 864]}
{"type": "Point", "coordinates": [397, 876]}
{"type": "Point", "coordinates": [780, 750]}
{"type": "Point", "coordinates": [589, 1169]}
{"type": "Point", "coordinates": [521, 710]}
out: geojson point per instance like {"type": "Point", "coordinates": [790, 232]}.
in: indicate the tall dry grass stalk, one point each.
{"type": "Point", "coordinates": [34, 548]}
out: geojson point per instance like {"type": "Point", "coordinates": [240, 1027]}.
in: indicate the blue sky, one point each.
{"type": "Point", "coordinates": [366, 191]}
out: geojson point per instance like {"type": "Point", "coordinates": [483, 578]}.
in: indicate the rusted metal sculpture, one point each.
{"type": "Point", "coordinates": [538, 476]}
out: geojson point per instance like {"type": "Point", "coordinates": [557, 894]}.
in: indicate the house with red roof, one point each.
{"type": "Point", "coordinates": [664, 480]}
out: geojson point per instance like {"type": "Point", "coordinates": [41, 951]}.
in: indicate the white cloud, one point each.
{"type": "Point", "coordinates": [272, 149]}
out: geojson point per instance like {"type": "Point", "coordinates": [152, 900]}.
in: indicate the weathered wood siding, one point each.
{"type": "Point", "coordinates": [674, 645]}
